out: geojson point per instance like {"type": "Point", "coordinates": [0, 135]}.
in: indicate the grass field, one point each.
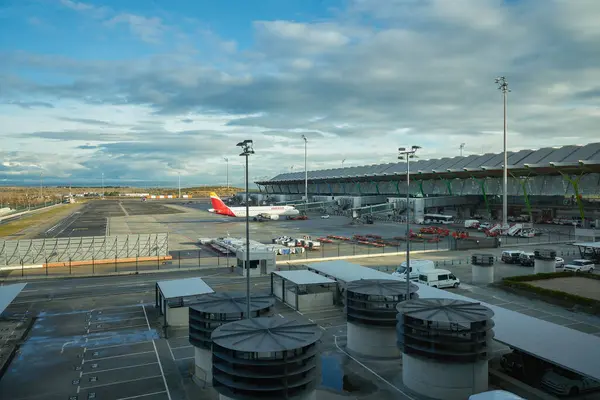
{"type": "Point", "coordinates": [35, 218]}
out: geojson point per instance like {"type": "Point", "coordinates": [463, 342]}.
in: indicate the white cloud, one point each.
{"type": "Point", "coordinates": [148, 29]}
{"type": "Point", "coordinates": [383, 73]}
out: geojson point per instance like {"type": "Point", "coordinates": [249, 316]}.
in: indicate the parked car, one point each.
{"type": "Point", "coordinates": [580, 266]}
{"type": "Point", "coordinates": [560, 263]}
{"type": "Point", "coordinates": [325, 216]}
{"type": "Point", "coordinates": [511, 256]}
{"type": "Point", "coordinates": [566, 383]}
{"type": "Point", "coordinates": [483, 226]}
{"type": "Point", "coordinates": [527, 259]}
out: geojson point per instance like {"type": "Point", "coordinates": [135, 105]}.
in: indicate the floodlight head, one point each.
{"type": "Point", "coordinates": [416, 147]}
{"type": "Point", "coordinates": [401, 158]}
{"type": "Point", "coordinates": [401, 148]}
{"type": "Point", "coordinates": [305, 139]}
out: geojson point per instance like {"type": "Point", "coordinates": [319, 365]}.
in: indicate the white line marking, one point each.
{"type": "Point", "coordinates": [170, 350]}
{"type": "Point", "coordinates": [114, 369]}
{"type": "Point", "coordinates": [62, 349]}
{"type": "Point", "coordinates": [119, 356]}
{"type": "Point", "coordinates": [120, 382]}
{"type": "Point", "coordinates": [369, 369]}
{"type": "Point", "coordinates": [184, 358]}
{"type": "Point", "coordinates": [337, 326]}
{"type": "Point", "coordinates": [108, 328]}
{"type": "Point", "coordinates": [157, 357]}
{"type": "Point", "coordinates": [180, 337]}
{"type": "Point", "coordinates": [141, 395]}
{"type": "Point", "coordinates": [181, 347]}
{"type": "Point", "coordinates": [311, 313]}
{"type": "Point", "coordinates": [117, 345]}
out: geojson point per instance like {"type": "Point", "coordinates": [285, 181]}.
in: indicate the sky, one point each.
{"type": "Point", "coordinates": [152, 91]}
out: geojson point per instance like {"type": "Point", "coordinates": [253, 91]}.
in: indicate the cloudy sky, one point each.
{"type": "Point", "coordinates": [149, 90]}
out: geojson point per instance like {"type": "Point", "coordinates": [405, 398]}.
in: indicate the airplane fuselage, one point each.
{"type": "Point", "coordinates": [282, 211]}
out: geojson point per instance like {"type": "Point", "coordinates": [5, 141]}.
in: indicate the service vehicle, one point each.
{"type": "Point", "coordinates": [417, 267]}
{"type": "Point", "coordinates": [439, 278]}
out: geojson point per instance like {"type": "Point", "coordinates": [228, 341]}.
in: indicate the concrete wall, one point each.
{"type": "Point", "coordinates": [373, 341]}
{"type": "Point", "coordinates": [482, 275]}
{"type": "Point", "coordinates": [178, 316]}
{"type": "Point", "coordinates": [587, 235]}
{"type": "Point", "coordinates": [203, 365]}
{"type": "Point", "coordinates": [482, 243]}
{"type": "Point", "coordinates": [306, 302]}
{"type": "Point", "coordinates": [544, 266]}
{"type": "Point", "coordinates": [444, 381]}
{"type": "Point", "coordinates": [311, 301]}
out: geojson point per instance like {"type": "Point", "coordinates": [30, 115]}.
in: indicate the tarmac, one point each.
{"type": "Point", "coordinates": [102, 338]}
{"type": "Point", "coordinates": [93, 218]}
{"type": "Point", "coordinates": [195, 222]}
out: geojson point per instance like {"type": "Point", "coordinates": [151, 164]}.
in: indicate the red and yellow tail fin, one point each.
{"type": "Point", "coordinates": [218, 205]}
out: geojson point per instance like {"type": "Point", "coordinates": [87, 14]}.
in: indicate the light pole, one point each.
{"type": "Point", "coordinates": [179, 184]}
{"type": "Point", "coordinates": [227, 169]}
{"type": "Point", "coordinates": [247, 149]}
{"type": "Point", "coordinates": [41, 185]}
{"type": "Point", "coordinates": [461, 147]}
{"type": "Point", "coordinates": [503, 86]}
{"type": "Point", "coordinates": [305, 173]}
{"type": "Point", "coordinates": [406, 153]}
{"type": "Point", "coordinates": [344, 160]}
{"type": "Point", "coordinates": [103, 186]}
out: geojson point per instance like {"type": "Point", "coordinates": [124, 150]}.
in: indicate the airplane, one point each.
{"type": "Point", "coordinates": [260, 212]}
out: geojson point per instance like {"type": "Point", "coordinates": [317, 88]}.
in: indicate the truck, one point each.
{"type": "Point", "coordinates": [417, 267]}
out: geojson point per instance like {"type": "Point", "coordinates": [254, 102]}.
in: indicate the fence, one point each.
{"type": "Point", "coordinates": [202, 259]}
{"type": "Point", "coordinates": [43, 251]}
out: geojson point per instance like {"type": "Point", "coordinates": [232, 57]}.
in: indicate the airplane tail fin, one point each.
{"type": "Point", "coordinates": [218, 204]}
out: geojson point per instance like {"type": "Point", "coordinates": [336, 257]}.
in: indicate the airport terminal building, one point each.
{"type": "Point", "coordinates": [545, 184]}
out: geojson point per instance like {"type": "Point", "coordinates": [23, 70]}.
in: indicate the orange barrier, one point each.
{"type": "Point", "coordinates": [106, 261]}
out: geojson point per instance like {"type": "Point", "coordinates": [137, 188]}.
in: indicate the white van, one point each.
{"type": "Point", "coordinates": [471, 224]}
{"type": "Point", "coordinates": [417, 267]}
{"type": "Point", "coordinates": [439, 278]}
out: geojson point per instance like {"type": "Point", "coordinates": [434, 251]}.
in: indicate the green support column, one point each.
{"type": "Point", "coordinates": [343, 187]}
{"type": "Point", "coordinates": [575, 184]}
{"type": "Point", "coordinates": [358, 187]}
{"type": "Point", "coordinates": [485, 199]}
{"type": "Point", "coordinates": [330, 188]}
{"type": "Point", "coordinates": [259, 189]}
{"type": "Point", "coordinates": [376, 186]}
{"type": "Point", "coordinates": [421, 188]}
{"type": "Point", "coordinates": [289, 188]}
{"type": "Point", "coordinates": [523, 183]}
{"type": "Point", "coordinates": [448, 185]}
{"type": "Point", "coordinates": [398, 187]}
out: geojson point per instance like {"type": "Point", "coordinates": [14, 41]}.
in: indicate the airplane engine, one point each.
{"type": "Point", "coordinates": [274, 217]}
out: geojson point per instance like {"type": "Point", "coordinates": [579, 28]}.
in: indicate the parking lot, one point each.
{"type": "Point", "coordinates": [106, 353]}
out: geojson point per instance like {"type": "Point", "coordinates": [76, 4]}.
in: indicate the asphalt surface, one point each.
{"type": "Point", "coordinates": [103, 337]}
{"type": "Point", "coordinates": [92, 218]}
